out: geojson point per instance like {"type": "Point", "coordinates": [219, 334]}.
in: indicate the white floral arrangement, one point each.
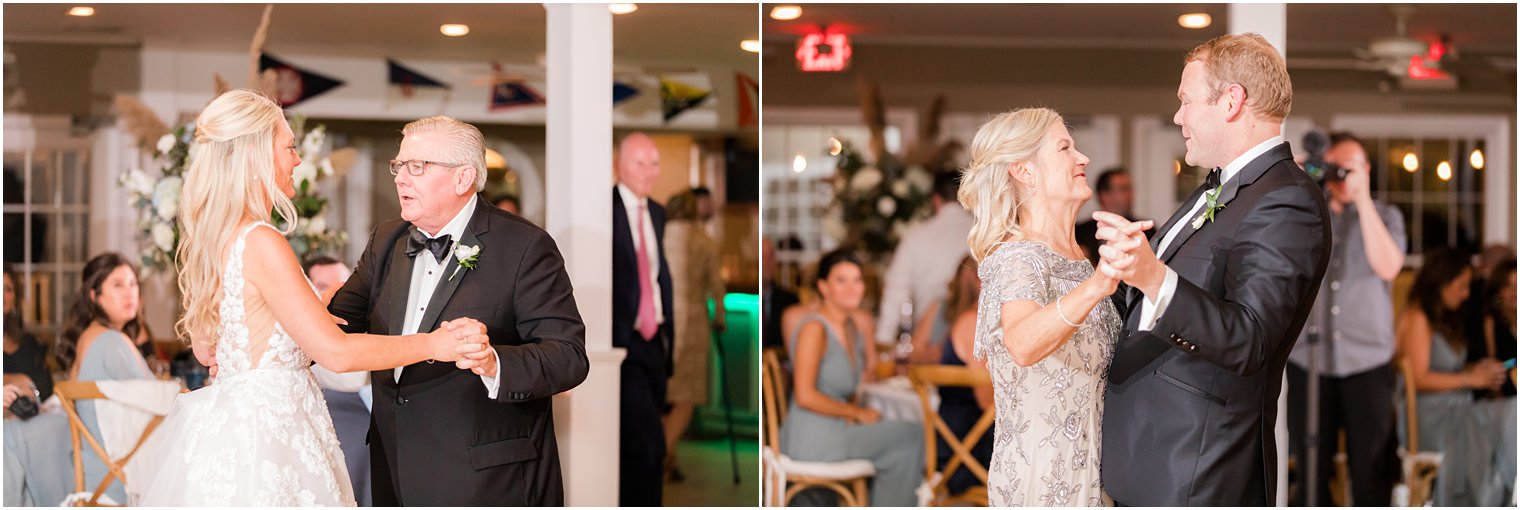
{"type": "Point", "coordinates": [157, 199]}
{"type": "Point", "coordinates": [874, 204]}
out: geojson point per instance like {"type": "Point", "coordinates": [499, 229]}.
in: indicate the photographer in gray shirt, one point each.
{"type": "Point", "coordinates": [1353, 317]}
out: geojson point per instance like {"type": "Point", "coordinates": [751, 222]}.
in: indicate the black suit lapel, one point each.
{"type": "Point", "coordinates": [398, 284]}
{"type": "Point", "coordinates": [479, 221]}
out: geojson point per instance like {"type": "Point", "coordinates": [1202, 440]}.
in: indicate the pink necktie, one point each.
{"type": "Point", "coordinates": [646, 291]}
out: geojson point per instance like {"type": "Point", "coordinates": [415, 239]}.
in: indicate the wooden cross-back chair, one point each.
{"type": "Point", "coordinates": [845, 478]}
{"type": "Point", "coordinates": [69, 394]}
{"type": "Point", "coordinates": [1420, 469]}
{"type": "Point", "coordinates": [926, 378]}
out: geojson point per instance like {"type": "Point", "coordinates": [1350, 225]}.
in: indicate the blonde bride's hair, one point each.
{"type": "Point", "coordinates": [229, 182]}
{"type": "Point", "coordinates": [987, 190]}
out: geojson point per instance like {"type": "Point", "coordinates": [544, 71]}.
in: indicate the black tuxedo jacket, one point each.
{"type": "Point", "coordinates": [625, 276]}
{"type": "Point", "coordinates": [435, 438]}
{"type": "Point", "coordinates": [1192, 404]}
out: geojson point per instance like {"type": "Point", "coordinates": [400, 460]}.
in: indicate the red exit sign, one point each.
{"type": "Point", "coordinates": [823, 52]}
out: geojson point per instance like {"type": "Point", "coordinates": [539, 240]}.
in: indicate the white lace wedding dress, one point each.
{"type": "Point", "coordinates": [261, 435]}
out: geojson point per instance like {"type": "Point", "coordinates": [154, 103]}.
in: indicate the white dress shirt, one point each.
{"type": "Point", "coordinates": [427, 272]}
{"type": "Point", "coordinates": [1151, 310]}
{"type": "Point", "coordinates": [922, 266]}
{"type": "Point", "coordinates": [631, 205]}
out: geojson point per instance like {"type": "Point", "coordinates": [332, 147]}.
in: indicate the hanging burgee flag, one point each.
{"type": "Point", "coordinates": [749, 89]}
{"type": "Point", "coordinates": [679, 96]}
{"type": "Point", "coordinates": [622, 91]}
{"type": "Point", "coordinates": [408, 79]}
{"type": "Point", "coordinates": [509, 93]}
{"type": "Point", "coordinates": [293, 84]}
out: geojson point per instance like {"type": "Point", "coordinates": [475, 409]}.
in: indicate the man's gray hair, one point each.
{"type": "Point", "coordinates": [464, 145]}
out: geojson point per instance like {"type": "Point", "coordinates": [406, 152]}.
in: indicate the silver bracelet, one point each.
{"type": "Point", "coordinates": [1063, 315]}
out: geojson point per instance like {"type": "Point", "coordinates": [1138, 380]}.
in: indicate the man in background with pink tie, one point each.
{"type": "Point", "coordinates": [641, 302]}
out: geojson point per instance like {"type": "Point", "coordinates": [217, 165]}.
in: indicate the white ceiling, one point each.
{"type": "Point", "coordinates": [709, 34]}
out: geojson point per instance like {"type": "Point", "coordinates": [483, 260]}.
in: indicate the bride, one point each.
{"type": "Point", "coordinates": [262, 434]}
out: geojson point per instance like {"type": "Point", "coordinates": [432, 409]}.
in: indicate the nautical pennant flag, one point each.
{"type": "Point", "coordinates": [408, 79]}
{"type": "Point", "coordinates": [749, 90]}
{"type": "Point", "coordinates": [677, 96]}
{"type": "Point", "coordinates": [622, 91]}
{"type": "Point", "coordinates": [293, 84]}
{"type": "Point", "coordinates": [509, 93]}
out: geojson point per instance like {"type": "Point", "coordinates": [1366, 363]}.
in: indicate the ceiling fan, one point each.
{"type": "Point", "coordinates": [1415, 63]}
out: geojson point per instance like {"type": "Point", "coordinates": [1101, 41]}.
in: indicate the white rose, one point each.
{"type": "Point", "coordinates": [163, 236]}
{"type": "Point", "coordinates": [317, 225]}
{"type": "Point", "coordinates": [465, 252]}
{"type": "Point", "coordinates": [866, 179]}
{"type": "Point", "coordinates": [166, 143]}
{"type": "Point", "coordinates": [137, 182]}
{"type": "Point", "coordinates": [327, 167]}
{"type": "Point", "coordinates": [312, 143]}
{"type": "Point", "coordinates": [886, 206]}
{"type": "Point", "coordinates": [305, 172]}
{"type": "Point", "coordinates": [921, 180]}
{"type": "Point", "coordinates": [166, 197]}
{"type": "Point", "coordinates": [900, 188]}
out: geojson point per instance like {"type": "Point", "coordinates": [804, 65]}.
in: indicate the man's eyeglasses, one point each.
{"type": "Point", "coordinates": [417, 167]}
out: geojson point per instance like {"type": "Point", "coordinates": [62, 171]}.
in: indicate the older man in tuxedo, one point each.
{"type": "Point", "coordinates": [440, 436]}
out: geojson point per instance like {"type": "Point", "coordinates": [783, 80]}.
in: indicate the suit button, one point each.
{"type": "Point", "coordinates": [1192, 348]}
{"type": "Point", "coordinates": [400, 400]}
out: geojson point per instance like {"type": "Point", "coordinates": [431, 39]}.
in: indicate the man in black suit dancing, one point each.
{"type": "Point", "coordinates": [1216, 304]}
{"type": "Point", "coordinates": [440, 436]}
{"type": "Point", "coordinates": [641, 303]}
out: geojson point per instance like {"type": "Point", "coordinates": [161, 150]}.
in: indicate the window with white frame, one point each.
{"type": "Point", "coordinates": [796, 180]}
{"type": "Point", "coordinates": [46, 231]}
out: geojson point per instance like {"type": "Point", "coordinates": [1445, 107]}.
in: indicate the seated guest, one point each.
{"type": "Point", "coordinates": [23, 353]}
{"type": "Point", "coordinates": [830, 357]}
{"type": "Point", "coordinates": [1499, 319]}
{"type": "Point", "coordinates": [37, 469]}
{"type": "Point", "coordinates": [933, 328]}
{"type": "Point", "coordinates": [96, 343]}
{"type": "Point", "coordinates": [1430, 339]}
{"type": "Point", "coordinates": [962, 407]}
{"type": "Point", "coordinates": [345, 393]}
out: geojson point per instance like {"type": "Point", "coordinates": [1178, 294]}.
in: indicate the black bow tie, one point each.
{"type": "Point", "coordinates": [416, 241]}
{"type": "Point", "coordinates": [1212, 181]}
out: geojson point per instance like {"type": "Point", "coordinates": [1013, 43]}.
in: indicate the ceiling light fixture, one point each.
{"type": "Point", "coordinates": [622, 8]}
{"type": "Point", "coordinates": [1476, 158]}
{"type": "Point", "coordinates": [786, 12]}
{"type": "Point", "coordinates": [799, 164]}
{"type": "Point", "coordinates": [1195, 20]}
{"type": "Point", "coordinates": [1411, 162]}
{"type": "Point", "coordinates": [750, 45]}
{"type": "Point", "coordinates": [81, 11]}
{"type": "Point", "coordinates": [454, 30]}
{"type": "Point", "coordinates": [1443, 171]}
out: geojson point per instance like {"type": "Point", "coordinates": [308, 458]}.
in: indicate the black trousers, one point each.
{"type": "Point", "coordinates": [642, 437]}
{"type": "Point", "coordinates": [1363, 405]}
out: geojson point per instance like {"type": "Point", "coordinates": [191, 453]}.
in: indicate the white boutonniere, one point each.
{"type": "Point", "coordinates": [467, 256]}
{"type": "Point", "coordinates": [1211, 205]}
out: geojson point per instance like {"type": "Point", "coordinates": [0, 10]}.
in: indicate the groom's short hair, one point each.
{"type": "Point", "coordinates": [1249, 60]}
{"type": "Point", "coordinates": [465, 144]}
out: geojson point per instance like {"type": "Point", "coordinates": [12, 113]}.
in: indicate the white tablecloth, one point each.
{"type": "Point", "coordinates": [896, 399]}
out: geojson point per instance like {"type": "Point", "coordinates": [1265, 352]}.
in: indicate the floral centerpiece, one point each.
{"type": "Point", "coordinates": [874, 203]}
{"type": "Point", "coordinates": [157, 200]}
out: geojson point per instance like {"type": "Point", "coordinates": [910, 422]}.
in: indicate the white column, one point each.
{"type": "Point", "coordinates": [579, 216]}
{"type": "Point", "coordinates": [1271, 21]}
